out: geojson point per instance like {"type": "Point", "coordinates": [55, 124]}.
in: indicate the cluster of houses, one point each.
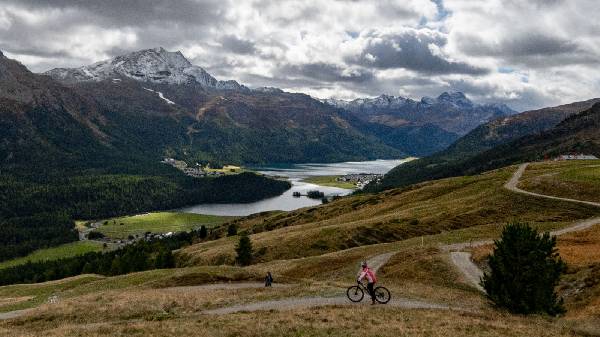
{"type": "Point", "coordinates": [578, 156]}
{"type": "Point", "coordinates": [198, 171]}
{"type": "Point", "coordinates": [360, 179]}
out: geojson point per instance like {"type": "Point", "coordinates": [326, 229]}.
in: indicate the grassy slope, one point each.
{"type": "Point", "coordinates": [90, 305]}
{"type": "Point", "coordinates": [55, 253]}
{"type": "Point", "coordinates": [423, 209]}
{"type": "Point", "coordinates": [329, 181]}
{"type": "Point", "coordinates": [568, 179]}
{"type": "Point", "coordinates": [160, 222]}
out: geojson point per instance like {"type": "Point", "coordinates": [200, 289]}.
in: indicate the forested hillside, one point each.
{"type": "Point", "coordinates": [480, 149]}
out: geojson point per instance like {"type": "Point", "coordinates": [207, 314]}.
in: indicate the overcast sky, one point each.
{"type": "Point", "coordinates": [526, 53]}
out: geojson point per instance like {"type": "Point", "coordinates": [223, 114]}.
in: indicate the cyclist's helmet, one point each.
{"type": "Point", "coordinates": [364, 264]}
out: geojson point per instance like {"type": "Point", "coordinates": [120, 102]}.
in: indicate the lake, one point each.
{"type": "Point", "coordinates": [295, 173]}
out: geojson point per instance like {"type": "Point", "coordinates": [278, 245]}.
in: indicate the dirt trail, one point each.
{"type": "Point", "coordinates": [378, 261]}
{"type": "Point", "coordinates": [13, 314]}
{"type": "Point", "coordinates": [227, 286]}
{"type": "Point", "coordinates": [310, 302]}
{"type": "Point", "coordinates": [513, 183]}
{"type": "Point", "coordinates": [462, 260]}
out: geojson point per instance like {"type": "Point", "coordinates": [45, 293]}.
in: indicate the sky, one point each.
{"type": "Point", "coordinates": [525, 53]}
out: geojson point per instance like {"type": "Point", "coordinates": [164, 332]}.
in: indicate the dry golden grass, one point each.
{"type": "Point", "coordinates": [396, 215]}
{"type": "Point", "coordinates": [327, 321]}
{"type": "Point", "coordinates": [580, 248]}
{"type": "Point", "coordinates": [318, 251]}
{"type": "Point", "coordinates": [577, 179]}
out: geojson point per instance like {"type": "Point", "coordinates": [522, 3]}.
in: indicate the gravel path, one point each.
{"type": "Point", "coordinates": [462, 260]}
{"type": "Point", "coordinates": [514, 181]}
{"type": "Point", "coordinates": [232, 286]}
{"type": "Point", "coordinates": [472, 273]}
{"type": "Point", "coordinates": [13, 314]}
{"type": "Point", "coordinates": [311, 302]}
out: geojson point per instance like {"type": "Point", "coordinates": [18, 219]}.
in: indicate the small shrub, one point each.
{"type": "Point", "coordinates": [95, 235]}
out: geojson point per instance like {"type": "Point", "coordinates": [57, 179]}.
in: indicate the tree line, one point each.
{"type": "Point", "coordinates": [38, 213]}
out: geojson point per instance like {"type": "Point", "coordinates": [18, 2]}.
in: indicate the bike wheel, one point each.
{"type": "Point", "coordinates": [382, 295]}
{"type": "Point", "coordinates": [355, 294]}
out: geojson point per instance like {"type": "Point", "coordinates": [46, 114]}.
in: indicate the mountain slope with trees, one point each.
{"type": "Point", "coordinates": [501, 142]}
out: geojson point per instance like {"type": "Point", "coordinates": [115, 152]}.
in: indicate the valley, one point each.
{"type": "Point", "coordinates": [430, 295]}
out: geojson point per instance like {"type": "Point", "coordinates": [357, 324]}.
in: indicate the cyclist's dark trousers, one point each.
{"type": "Point", "coordinates": [371, 291]}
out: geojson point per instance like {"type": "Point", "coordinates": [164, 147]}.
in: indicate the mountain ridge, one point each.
{"type": "Point", "coordinates": [451, 111]}
{"type": "Point", "coordinates": [155, 65]}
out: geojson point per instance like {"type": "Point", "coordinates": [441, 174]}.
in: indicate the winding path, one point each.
{"type": "Point", "coordinates": [374, 262]}
{"type": "Point", "coordinates": [462, 260]}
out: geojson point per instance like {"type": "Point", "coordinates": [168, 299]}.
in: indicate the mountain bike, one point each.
{"type": "Point", "coordinates": [357, 293]}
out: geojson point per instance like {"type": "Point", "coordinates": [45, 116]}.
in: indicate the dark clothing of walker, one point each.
{"type": "Point", "coordinates": [269, 280]}
{"type": "Point", "coordinates": [371, 291]}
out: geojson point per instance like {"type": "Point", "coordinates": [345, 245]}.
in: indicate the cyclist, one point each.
{"type": "Point", "coordinates": [369, 274]}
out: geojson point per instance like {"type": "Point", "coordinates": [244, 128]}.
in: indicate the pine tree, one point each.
{"type": "Point", "coordinates": [203, 232]}
{"type": "Point", "coordinates": [232, 229]}
{"type": "Point", "coordinates": [525, 269]}
{"type": "Point", "coordinates": [244, 250]}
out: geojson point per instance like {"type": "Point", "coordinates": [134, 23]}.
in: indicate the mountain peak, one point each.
{"type": "Point", "coordinates": [156, 65]}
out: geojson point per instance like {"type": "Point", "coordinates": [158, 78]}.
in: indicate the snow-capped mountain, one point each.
{"type": "Point", "coordinates": [150, 65]}
{"type": "Point", "coordinates": [451, 111]}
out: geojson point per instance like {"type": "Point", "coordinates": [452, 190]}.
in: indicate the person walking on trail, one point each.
{"type": "Point", "coordinates": [369, 274]}
{"type": "Point", "coordinates": [268, 279]}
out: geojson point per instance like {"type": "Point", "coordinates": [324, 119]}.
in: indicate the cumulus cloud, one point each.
{"type": "Point", "coordinates": [524, 53]}
{"type": "Point", "coordinates": [415, 49]}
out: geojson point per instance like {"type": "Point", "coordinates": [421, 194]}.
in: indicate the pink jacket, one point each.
{"type": "Point", "coordinates": [369, 274]}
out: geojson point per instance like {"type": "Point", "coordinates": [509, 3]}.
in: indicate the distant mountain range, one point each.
{"type": "Point", "coordinates": [450, 111]}
{"type": "Point", "coordinates": [154, 103]}
{"type": "Point", "coordinates": [531, 135]}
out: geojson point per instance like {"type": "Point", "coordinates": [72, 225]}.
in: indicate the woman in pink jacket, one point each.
{"type": "Point", "coordinates": [369, 274]}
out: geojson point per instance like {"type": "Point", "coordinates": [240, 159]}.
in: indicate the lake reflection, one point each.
{"type": "Point", "coordinates": [295, 173]}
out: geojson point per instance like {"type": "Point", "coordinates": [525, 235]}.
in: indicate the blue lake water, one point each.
{"type": "Point", "coordinates": [295, 173]}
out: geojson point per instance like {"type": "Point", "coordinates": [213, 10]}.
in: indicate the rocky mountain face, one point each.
{"type": "Point", "coordinates": [452, 112]}
{"type": "Point", "coordinates": [527, 136]}
{"type": "Point", "coordinates": [151, 65]}
{"type": "Point", "coordinates": [158, 100]}
{"type": "Point", "coordinates": [155, 89]}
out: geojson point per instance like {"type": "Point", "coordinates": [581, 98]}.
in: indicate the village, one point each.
{"type": "Point", "coordinates": [198, 171]}
{"type": "Point", "coordinates": [359, 179]}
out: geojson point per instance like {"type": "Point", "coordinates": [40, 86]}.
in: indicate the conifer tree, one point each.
{"type": "Point", "coordinates": [525, 268]}
{"type": "Point", "coordinates": [244, 250]}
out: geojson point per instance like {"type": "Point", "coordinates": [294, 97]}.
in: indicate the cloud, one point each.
{"type": "Point", "coordinates": [417, 50]}
{"type": "Point", "coordinates": [237, 45]}
{"type": "Point", "coordinates": [343, 48]}
{"type": "Point", "coordinates": [327, 72]}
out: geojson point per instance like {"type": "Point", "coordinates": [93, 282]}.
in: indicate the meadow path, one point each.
{"type": "Point", "coordinates": [462, 260]}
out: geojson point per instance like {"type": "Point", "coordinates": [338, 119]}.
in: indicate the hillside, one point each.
{"type": "Point", "coordinates": [65, 154]}
{"type": "Point", "coordinates": [466, 155]}
{"type": "Point", "coordinates": [226, 122]}
{"type": "Point", "coordinates": [430, 295]}
{"type": "Point", "coordinates": [159, 102]}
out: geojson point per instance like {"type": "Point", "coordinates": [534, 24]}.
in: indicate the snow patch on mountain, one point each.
{"type": "Point", "coordinates": [160, 94]}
